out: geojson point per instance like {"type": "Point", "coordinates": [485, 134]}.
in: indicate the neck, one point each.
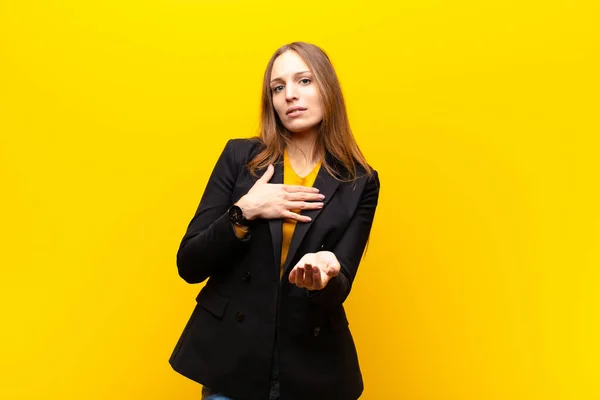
{"type": "Point", "coordinates": [302, 147]}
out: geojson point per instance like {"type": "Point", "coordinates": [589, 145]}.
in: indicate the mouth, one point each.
{"type": "Point", "coordinates": [295, 111]}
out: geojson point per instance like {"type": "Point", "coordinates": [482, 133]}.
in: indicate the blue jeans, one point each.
{"type": "Point", "coordinates": [216, 396]}
{"type": "Point", "coordinates": [208, 394]}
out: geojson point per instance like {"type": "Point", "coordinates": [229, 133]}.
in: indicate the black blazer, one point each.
{"type": "Point", "coordinates": [245, 309]}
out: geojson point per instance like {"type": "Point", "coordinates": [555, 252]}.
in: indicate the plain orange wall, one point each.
{"type": "Point", "coordinates": [481, 281]}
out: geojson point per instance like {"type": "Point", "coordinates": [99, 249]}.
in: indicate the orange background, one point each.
{"type": "Point", "coordinates": [481, 281]}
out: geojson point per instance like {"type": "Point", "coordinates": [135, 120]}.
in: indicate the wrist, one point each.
{"type": "Point", "coordinates": [247, 209]}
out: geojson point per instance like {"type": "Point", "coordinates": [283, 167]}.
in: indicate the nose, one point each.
{"type": "Point", "coordinates": [290, 93]}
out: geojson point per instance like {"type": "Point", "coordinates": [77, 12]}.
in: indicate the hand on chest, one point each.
{"type": "Point", "coordinates": [327, 224]}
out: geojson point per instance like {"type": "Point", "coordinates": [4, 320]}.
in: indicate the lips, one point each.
{"type": "Point", "coordinates": [292, 109]}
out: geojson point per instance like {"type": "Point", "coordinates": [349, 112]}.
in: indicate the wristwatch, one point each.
{"type": "Point", "coordinates": [236, 216]}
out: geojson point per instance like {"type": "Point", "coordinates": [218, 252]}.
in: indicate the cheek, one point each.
{"type": "Point", "coordinates": [279, 108]}
{"type": "Point", "coordinates": [317, 110]}
{"type": "Point", "coordinates": [316, 103]}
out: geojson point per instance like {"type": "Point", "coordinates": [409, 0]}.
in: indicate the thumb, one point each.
{"type": "Point", "coordinates": [332, 270]}
{"type": "Point", "coordinates": [267, 175]}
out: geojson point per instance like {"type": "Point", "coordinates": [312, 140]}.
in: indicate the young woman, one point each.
{"type": "Point", "coordinates": [279, 233]}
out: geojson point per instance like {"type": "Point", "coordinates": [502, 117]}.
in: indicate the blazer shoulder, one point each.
{"type": "Point", "coordinates": [369, 182]}
{"type": "Point", "coordinates": [375, 178]}
{"type": "Point", "coordinates": [242, 148]}
{"type": "Point", "coordinates": [239, 150]}
{"type": "Point", "coordinates": [242, 143]}
{"type": "Point", "coordinates": [370, 179]}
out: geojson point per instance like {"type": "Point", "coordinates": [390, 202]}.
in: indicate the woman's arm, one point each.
{"type": "Point", "coordinates": [211, 239]}
{"type": "Point", "coordinates": [350, 248]}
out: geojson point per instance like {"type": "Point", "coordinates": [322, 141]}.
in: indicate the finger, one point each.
{"type": "Point", "coordinates": [301, 205]}
{"type": "Point", "coordinates": [317, 281]}
{"type": "Point", "coordinates": [300, 277]}
{"type": "Point", "coordinates": [300, 189]}
{"type": "Point", "coordinates": [292, 277]}
{"type": "Point", "coordinates": [333, 271]}
{"type": "Point", "coordinates": [267, 175]}
{"type": "Point", "coordinates": [308, 276]}
{"type": "Point", "coordinates": [295, 216]}
{"type": "Point", "coordinates": [303, 196]}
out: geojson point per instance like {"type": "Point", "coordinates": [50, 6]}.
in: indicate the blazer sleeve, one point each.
{"type": "Point", "coordinates": [210, 239]}
{"type": "Point", "coordinates": [350, 248]}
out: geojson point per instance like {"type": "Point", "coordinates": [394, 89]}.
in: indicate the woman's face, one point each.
{"type": "Point", "coordinates": [293, 85]}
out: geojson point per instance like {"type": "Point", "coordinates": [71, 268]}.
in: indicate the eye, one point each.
{"type": "Point", "coordinates": [305, 79]}
{"type": "Point", "coordinates": [276, 88]}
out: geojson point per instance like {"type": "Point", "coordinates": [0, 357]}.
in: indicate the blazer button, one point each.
{"type": "Point", "coordinates": [247, 277]}
{"type": "Point", "coordinates": [240, 316]}
{"type": "Point", "coordinates": [316, 331]}
{"type": "Point", "coordinates": [322, 246]}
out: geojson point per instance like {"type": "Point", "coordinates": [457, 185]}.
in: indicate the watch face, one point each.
{"type": "Point", "coordinates": [236, 215]}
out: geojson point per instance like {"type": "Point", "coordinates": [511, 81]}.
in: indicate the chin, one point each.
{"type": "Point", "coordinates": [301, 128]}
{"type": "Point", "coordinates": [300, 131]}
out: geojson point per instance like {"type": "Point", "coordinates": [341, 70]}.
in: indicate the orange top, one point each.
{"type": "Point", "coordinates": [289, 225]}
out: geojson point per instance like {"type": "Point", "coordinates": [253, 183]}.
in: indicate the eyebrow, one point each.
{"type": "Point", "coordinates": [296, 74]}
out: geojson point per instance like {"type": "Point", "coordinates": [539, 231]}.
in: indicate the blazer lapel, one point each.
{"type": "Point", "coordinates": [327, 185]}
{"type": "Point", "coordinates": [276, 225]}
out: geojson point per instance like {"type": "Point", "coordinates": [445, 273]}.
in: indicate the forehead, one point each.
{"type": "Point", "coordinates": [288, 63]}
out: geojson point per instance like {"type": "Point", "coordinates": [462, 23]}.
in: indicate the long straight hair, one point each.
{"type": "Point", "coordinates": [335, 138]}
